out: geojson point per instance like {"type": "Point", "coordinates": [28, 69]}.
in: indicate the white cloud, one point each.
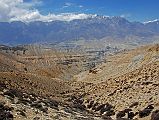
{"type": "Point", "coordinates": [18, 10]}
{"type": "Point", "coordinates": [36, 16]}
{"type": "Point", "coordinates": [66, 5]}
{"type": "Point", "coordinates": [80, 6]}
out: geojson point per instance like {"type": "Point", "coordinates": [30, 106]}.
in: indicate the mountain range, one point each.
{"type": "Point", "coordinates": [92, 28]}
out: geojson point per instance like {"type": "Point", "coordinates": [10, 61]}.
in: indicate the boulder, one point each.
{"type": "Point", "coordinates": [120, 114]}
{"type": "Point", "coordinates": [155, 115]}
{"type": "Point", "coordinates": [146, 112]}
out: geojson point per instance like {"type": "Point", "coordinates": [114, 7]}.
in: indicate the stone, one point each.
{"type": "Point", "coordinates": [155, 115]}
{"type": "Point", "coordinates": [120, 114]}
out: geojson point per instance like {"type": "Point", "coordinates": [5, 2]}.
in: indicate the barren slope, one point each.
{"type": "Point", "coordinates": [126, 78]}
{"type": "Point", "coordinates": [125, 86]}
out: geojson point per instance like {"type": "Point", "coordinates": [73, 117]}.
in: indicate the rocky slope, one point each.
{"type": "Point", "coordinates": [20, 105]}
{"type": "Point", "coordinates": [128, 80]}
{"type": "Point", "coordinates": [123, 87]}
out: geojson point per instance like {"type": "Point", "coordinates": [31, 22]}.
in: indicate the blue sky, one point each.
{"type": "Point", "coordinates": [50, 10]}
{"type": "Point", "coordinates": [134, 10]}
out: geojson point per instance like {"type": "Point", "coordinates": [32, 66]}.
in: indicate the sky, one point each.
{"type": "Point", "coordinates": [66, 10]}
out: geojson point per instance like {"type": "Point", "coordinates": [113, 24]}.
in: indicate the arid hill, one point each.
{"type": "Point", "coordinates": [48, 84]}
{"type": "Point", "coordinates": [130, 77]}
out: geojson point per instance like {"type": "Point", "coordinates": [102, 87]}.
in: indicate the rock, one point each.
{"type": "Point", "coordinates": [100, 107]}
{"type": "Point", "coordinates": [120, 114]}
{"type": "Point", "coordinates": [134, 104]}
{"type": "Point", "coordinates": [6, 108]}
{"type": "Point", "coordinates": [104, 117]}
{"type": "Point", "coordinates": [36, 118]}
{"type": "Point", "coordinates": [90, 105]}
{"type": "Point", "coordinates": [44, 109]}
{"type": "Point", "coordinates": [1, 105]}
{"type": "Point", "coordinates": [123, 119]}
{"type": "Point", "coordinates": [95, 105]}
{"type": "Point", "coordinates": [9, 93]}
{"type": "Point", "coordinates": [2, 86]}
{"type": "Point", "coordinates": [24, 101]}
{"type": "Point", "coordinates": [127, 110]}
{"type": "Point", "coordinates": [22, 113]}
{"type": "Point", "coordinates": [110, 113]}
{"type": "Point", "coordinates": [150, 107]}
{"type": "Point", "coordinates": [32, 98]}
{"type": "Point", "coordinates": [68, 110]}
{"type": "Point", "coordinates": [131, 115]}
{"type": "Point", "coordinates": [79, 106]}
{"type": "Point", "coordinates": [6, 116]}
{"type": "Point", "coordinates": [77, 100]}
{"type": "Point", "coordinates": [146, 111]}
{"type": "Point", "coordinates": [13, 93]}
{"type": "Point", "coordinates": [39, 106]}
{"type": "Point", "coordinates": [155, 115]}
{"type": "Point", "coordinates": [107, 107]}
{"type": "Point", "coordinates": [52, 104]}
{"type": "Point", "coordinates": [36, 105]}
{"type": "Point", "coordinates": [5, 113]}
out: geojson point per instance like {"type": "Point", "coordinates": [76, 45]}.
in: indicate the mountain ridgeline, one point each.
{"type": "Point", "coordinates": [93, 28]}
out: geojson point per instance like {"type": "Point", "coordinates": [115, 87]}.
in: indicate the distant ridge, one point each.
{"type": "Point", "coordinates": [95, 27]}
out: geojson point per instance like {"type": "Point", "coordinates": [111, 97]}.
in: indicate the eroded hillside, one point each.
{"type": "Point", "coordinates": [123, 86]}
{"type": "Point", "coordinates": [130, 77]}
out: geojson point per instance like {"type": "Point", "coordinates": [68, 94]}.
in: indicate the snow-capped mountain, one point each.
{"type": "Point", "coordinates": [95, 27]}
{"type": "Point", "coordinates": [153, 25]}
{"type": "Point", "coordinates": [153, 21]}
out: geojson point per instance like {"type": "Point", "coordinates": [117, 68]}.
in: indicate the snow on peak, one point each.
{"type": "Point", "coordinates": [156, 20]}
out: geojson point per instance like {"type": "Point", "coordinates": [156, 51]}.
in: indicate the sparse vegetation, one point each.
{"type": "Point", "coordinates": [51, 82]}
